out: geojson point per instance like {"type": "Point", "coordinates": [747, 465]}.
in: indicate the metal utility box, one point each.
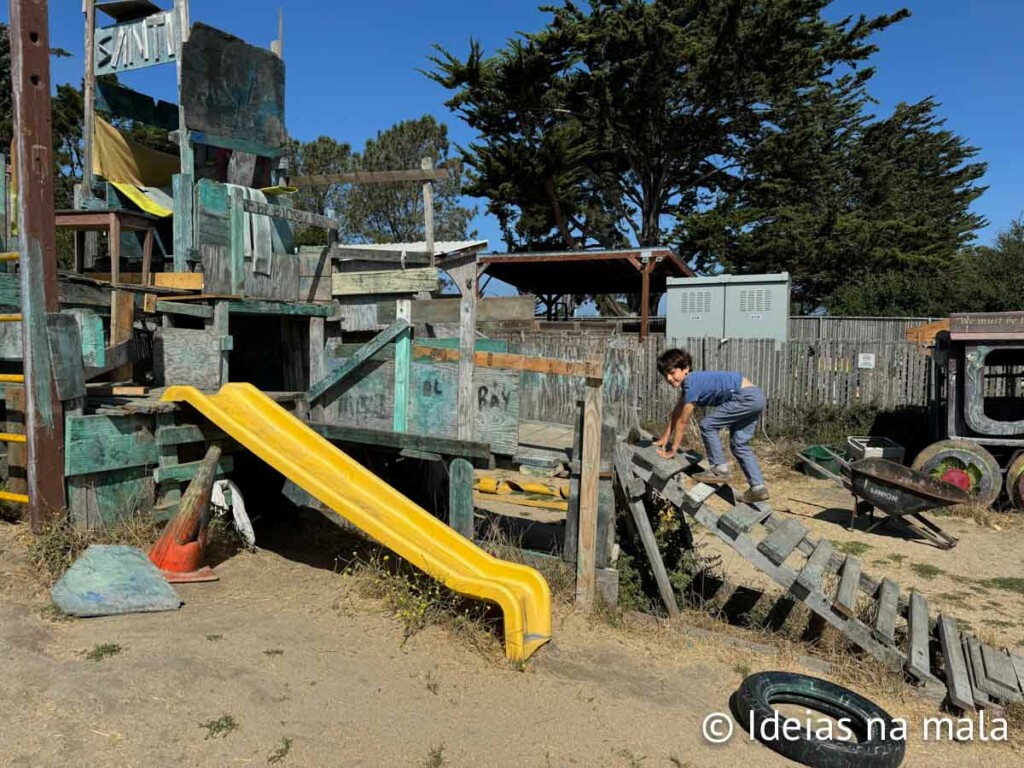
{"type": "Point", "coordinates": [728, 307]}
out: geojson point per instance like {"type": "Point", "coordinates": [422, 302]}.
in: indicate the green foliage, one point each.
{"type": "Point", "coordinates": [222, 726]}
{"type": "Point", "coordinates": [323, 155]}
{"type": "Point", "coordinates": [103, 651]}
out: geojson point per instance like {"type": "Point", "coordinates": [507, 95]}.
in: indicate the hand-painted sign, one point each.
{"type": "Point", "coordinates": [137, 44]}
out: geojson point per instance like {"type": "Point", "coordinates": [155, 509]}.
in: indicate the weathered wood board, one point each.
{"type": "Point", "coordinates": [187, 356]}
{"type": "Point", "coordinates": [315, 274]}
{"type": "Point", "coordinates": [446, 311]}
{"type": "Point", "coordinates": [95, 444]}
{"type": "Point", "coordinates": [230, 88]}
{"type": "Point", "coordinates": [103, 498]}
{"type": "Point", "coordinates": [366, 396]}
{"type": "Point", "coordinates": [384, 281]}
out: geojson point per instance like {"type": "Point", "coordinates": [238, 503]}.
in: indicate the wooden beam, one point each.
{"type": "Point", "coordinates": [589, 369]}
{"type": "Point", "coordinates": [645, 299]}
{"type": "Point", "coordinates": [33, 159]}
{"type": "Point", "coordinates": [589, 471]}
{"type": "Point", "coordinates": [427, 165]}
{"type": "Point", "coordinates": [466, 402]}
{"type": "Point", "coordinates": [181, 188]}
{"type": "Point", "coordinates": [442, 446]}
{"type": "Point", "coordinates": [122, 320]}
{"type": "Point", "coordinates": [365, 353]}
{"type": "Point", "coordinates": [403, 364]}
{"type": "Point", "coordinates": [460, 497]}
{"type": "Point", "coordinates": [355, 253]}
{"type": "Point", "coordinates": [236, 247]}
{"type": "Point", "coordinates": [370, 177]}
{"type": "Point", "coordinates": [290, 214]}
{"type": "Point", "coordinates": [114, 357]}
{"type": "Point", "coordinates": [204, 311]}
{"type": "Point", "coordinates": [186, 281]}
{"type": "Point", "coordinates": [384, 281]}
{"type": "Point", "coordinates": [264, 307]}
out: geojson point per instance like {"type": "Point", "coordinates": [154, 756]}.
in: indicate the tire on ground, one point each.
{"type": "Point", "coordinates": [950, 455]}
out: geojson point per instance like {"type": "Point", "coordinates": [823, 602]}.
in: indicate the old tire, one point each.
{"type": "Point", "coordinates": [1015, 482]}
{"type": "Point", "coordinates": [961, 462]}
{"type": "Point", "coordinates": [757, 693]}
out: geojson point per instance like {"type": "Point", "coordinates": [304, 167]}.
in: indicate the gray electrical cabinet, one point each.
{"type": "Point", "coordinates": [728, 307]}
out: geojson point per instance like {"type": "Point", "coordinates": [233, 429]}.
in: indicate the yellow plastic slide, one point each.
{"type": "Point", "coordinates": [362, 498]}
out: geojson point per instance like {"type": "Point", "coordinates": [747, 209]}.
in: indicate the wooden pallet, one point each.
{"type": "Point", "coordinates": [892, 627]}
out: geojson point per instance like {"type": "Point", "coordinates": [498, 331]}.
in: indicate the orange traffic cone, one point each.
{"type": "Point", "coordinates": [178, 553]}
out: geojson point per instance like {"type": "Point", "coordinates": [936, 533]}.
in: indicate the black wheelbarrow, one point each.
{"type": "Point", "coordinates": [902, 493]}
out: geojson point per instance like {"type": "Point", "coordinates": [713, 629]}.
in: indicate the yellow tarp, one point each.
{"type": "Point", "coordinates": [141, 199]}
{"type": "Point", "coordinates": [115, 157]}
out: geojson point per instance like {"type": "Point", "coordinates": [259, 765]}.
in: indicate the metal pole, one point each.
{"type": "Point", "coordinates": [44, 417]}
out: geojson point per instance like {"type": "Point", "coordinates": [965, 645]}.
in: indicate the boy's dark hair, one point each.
{"type": "Point", "coordinates": [674, 358]}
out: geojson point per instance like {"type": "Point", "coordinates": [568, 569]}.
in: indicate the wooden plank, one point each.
{"type": "Point", "coordinates": [740, 519]}
{"type": "Point", "coordinates": [90, 329]}
{"type": "Point", "coordinates": [116, 390]}
{"type": "Point", "coordinates": [33, 165]}
{"type": "Point", "coordinates": [467, 337]}
{"type": "Point", "coordinates": [384, 281]}
{"type": "Point", "coordinates": [187, 356]}
{"type": "Point", "coordinates": [589, 470]}
{"type": "Point", "coordinates": [293, 215]}
{"type": "Point", "coordinates": [958, 681]}
{"type": "Point", "coordinates": [590, 369]}
{"type": "Point", "coordinates": [186, 281]}
{"type": "Point", "coordinates": [122, 320]}
{"type": "Point", "coordinates": [606, 496]}
{"type": "Point", "coordinates": [117, 356]}
{"type": "Point", "coordinates": [204, 311]}
{"type": "Point", "coordinates": [187, 433]}
{"type": "Point", "coordinates": [975, 673]}
{"type": "Point", "coordinates": [496, 410]}
{"type": "Point", "coordinates": [811, 574]}
{"type": "Point", "coordinates": [999, 668]}
{"type": "Point", "coordinates": [180, 473]}
{"type": "Point", "coordinates": [367, 351]}
{"type": "Point", "coordinates": [107, 497]}
{"type": "Point", "coordinates": [370, 177]}
{"type": "Point", "coordinates": [460, 497]}
{"type": "Point", "coordinates": [643, 525]}
{"type": "Point", "coordinates": [385, 439]}
{"type": "Point", "coordinates": [846, 597]}
{"type": "Point", "coordinates": [489, 309]}
{"type": "Point", "coordinates": [1018, 666]}
{"type": "Point", "coordinates": [105, 443]}
{"type": "Point", "coordinates": [884, 628]}
{"type": "Point", "coordinates": [219, 326]}
{"type": "Point", "coordinates": [919, 633]}
{"type": "Point", "coordinates": [403, 360]}
{"type": "Point", "coordinates": [236, 241]}
{"type": "Point", "coordinates": [66, 353]}
{"type": "Point", "coordinates": [572, 515]}
{"type": "Point", "coordinates": [17, 453]}
{"type": "Point", "coordinates": [232, 88]}
{"type": "Point", "coordinates": [257, 307]}
{"type": "Point", "coordinates": [778, 545]}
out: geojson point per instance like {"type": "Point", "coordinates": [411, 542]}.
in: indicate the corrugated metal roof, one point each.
{"type": "Point", "coordinates": [440, 248]}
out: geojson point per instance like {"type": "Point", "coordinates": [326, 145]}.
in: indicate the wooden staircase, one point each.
{"type": "Point", "coordinates": [895, 628]}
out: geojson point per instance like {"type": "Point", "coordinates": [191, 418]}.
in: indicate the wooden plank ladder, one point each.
{"type": "Point", "coordinates": [974, 673]}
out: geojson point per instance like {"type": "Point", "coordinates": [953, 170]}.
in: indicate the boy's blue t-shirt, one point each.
{"type": "Point", "coordinates": [706, 388]}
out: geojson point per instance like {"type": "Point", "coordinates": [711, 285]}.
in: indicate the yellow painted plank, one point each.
{"type": "Point", "coordinates": [10, 256]}
{"type": "Point", "coordinates": [10, 318]}
{"type": "Point", "coordinates": [190, 281]}
{"type": "Point", "coordinates": [8, 437]}
{"type": "Point", "coordinates": [12, 378]}
{"type": "Point", "coordinates": [357, 495]}
{"type": "Point", "coordinates": [18, 498]}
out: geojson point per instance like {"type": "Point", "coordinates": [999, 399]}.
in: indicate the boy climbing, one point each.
{"type": "Point", "coordinates": [737, 405]}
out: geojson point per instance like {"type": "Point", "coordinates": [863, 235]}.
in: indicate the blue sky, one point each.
{"type": "Point", "coordinates": [351, 67]}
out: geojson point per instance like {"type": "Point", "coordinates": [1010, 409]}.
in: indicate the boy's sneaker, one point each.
{"type": "Point", "coordinates": [752, 495]}
{"type": "Point", "coordinates": [712, 477]}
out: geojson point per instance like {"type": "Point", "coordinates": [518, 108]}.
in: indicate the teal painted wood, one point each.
{"type": "Point", "coordinates": [107, 497]}
{"type": "Point", "coordinates": [259, 307]}
{"type": "Point", "coordinates": [237, 245]}
{"type": "Point", "coordinates": [126, 103]}
{"type": "Point", "coordinates": [183, 434]}
{"type": "Point", "coordinates": [235, 144]}
{"type": "Point", "coordinates": [460, 497]}
{"type": "Point", "coordinates": [211, 214]}
{"type": "Point", "coordinates": [90, 328]}
{"type": "Point", "coordinates": [181, 186]}
{"type": "Point", "coordinates": [65, 343]}
{"type": "Point", "coordinates": [185, 308]}
{"type": "Point", "coordinates": [111, 579]}
{"type": "Point", "coordinates": [171, 492]}
{"type": "Point", "coordinates": [104, 443]}
{"type": "Point", "coordinates": [348, 366]}
{"type": "Point", "coordinates": [10, 290]}
{"type": "Point", "coordinates": [365, 398]}
{"type": "Point", "coordinates": [433, 390]}
{"type": "Point", "coordinates": [482, 345]}
{"type": "Point", "coordinates": [180, 473]}
{"type": "Point", "coordinates": [403, 359]}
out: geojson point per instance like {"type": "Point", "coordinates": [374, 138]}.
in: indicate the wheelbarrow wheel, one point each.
{"type": "Point", "coordinates": [1015, 482]}
{"type": "Point", "coordinates": [964, 464]}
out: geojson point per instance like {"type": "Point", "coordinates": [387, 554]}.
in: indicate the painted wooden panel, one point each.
{"type": "Point", "coordinates": [497, 409]}
{"type": "Point", "coordinates": [66, 355]}
{"type": "Point", "coordinates": [314, 275]}
{"type": "Point", "coordinates": [432, 393]}
{"type": "Point", "coordinates": [186, 356]}
{"type": "Point", "coordinates": [366, 397]}
{"type": "Point", "coordinates": [212, 219]}
{"type": "Point", "coordinates": [104, 443]}
{"type": "Point", "coordinates": [106, 497]}
{"type": "Point", "coordinates": [137, 44]}
{"type": "Point", "coordinates": [232, 88]}
{"type": "Point", "coordinates": [384, 281]}
{"type": "Point", "coordinates": [446, 311]}
{"type": "Point", "coordinates": [132, 105]}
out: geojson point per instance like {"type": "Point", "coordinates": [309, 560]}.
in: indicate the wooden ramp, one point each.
{"type": "Point", "coordinates": [877, 616]}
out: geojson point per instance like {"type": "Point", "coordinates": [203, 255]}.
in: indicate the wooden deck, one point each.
{"type": "Point", "coordinates": [543, 444]}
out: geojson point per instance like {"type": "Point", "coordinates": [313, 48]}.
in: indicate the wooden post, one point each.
{"type": "Point", "coordinates": [44, 416]}
{"type": "Point", "coordinates": [184, 145]}
{"type": "Point", "coordinates": [572, 515]}
{"type": "Point", "coordinates": [317, 363]}
{"type": "Point", "coordinates": [222, 328]}
{"type": "Point", "coordinates": [645, 291]}
{"type": "Point", "coordinates": [460, 497]}
{"type": "Point", "coordinates": [428, 209]}
{"type": "Point", "coordinates": [114, 246]}
{"type": "Point", "coordinates": [147, 255]}
{"type": "Point", "coordinates": [590, 469]}
{"type": "Point", "coordinates": [181, 185]}
{"type": "Point", "coordinates": [122, 321]}
{"type": "Point", "coordinates": [467, 348]}
{"type": "Point", "coordinates": [403, 361]}
{"type": "Point", "coordinates": [236, 250]}
{"type": "Point", "coordinates": [89, 98]}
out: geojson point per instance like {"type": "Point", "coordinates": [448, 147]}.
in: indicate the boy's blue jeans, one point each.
{"type": "Point", "coordinates": [740, 415]}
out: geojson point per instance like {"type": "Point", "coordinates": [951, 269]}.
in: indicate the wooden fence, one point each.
{"type": "Point", "coordinates": [794, 375]}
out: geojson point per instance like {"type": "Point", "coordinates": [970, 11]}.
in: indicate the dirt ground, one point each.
{"type": "Point", "coordinates": [284, 661]}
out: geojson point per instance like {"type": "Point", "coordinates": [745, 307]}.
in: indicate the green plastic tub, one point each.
{"type": "Point", "coordinates": [817, 453]}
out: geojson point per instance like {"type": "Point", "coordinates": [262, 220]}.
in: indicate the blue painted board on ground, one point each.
{"type": "Point", "coordinates": [110, 579]}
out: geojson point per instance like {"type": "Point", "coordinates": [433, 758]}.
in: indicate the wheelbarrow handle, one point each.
{"type": "Point", "coordinates": [843, 481]}
{"type": "Point", "coordinates": [842, 462]}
